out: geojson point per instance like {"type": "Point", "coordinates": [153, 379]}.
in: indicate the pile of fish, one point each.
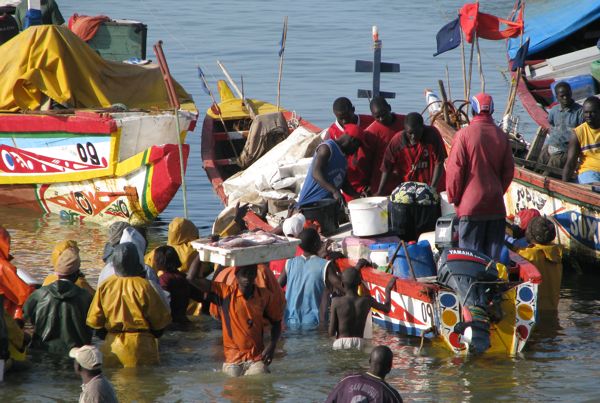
{"type": "Point", "coordinates": [248, 239]}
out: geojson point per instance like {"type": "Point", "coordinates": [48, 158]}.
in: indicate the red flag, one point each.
{"type": "Point", "coordinates": [487, 26]}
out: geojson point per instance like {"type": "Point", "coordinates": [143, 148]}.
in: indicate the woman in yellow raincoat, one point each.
{"type": "Point", "coordinates": [130, 310]}
{"type": "Point", "coordinates": [547, 257]}
{"type": "Point", "coordinates": [181, 233]}
{"type": "Point", "coordinates": [52, 277]}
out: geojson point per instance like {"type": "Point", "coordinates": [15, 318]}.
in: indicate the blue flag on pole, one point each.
{"type": "Point", "coordinates": [281, 43]}
{"type": "Point", "coordinates": [520, 56]}
{"type": "Point", "coordinates": [448, 37]}
{"type": "Point", "coordinates": [203, 79]}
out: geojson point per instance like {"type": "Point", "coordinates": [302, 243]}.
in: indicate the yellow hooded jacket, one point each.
{"type": "Point", "coordinates": [129, 309]}
{"type": "Point", "coordinates": [548, 260]}
{"type": "Point", "coordinates": [181, 233]}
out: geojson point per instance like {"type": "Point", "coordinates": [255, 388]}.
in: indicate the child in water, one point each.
{"type": "Point", "coordinates": [167, 264]}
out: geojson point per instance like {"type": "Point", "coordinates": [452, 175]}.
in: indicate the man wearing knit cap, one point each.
{"type": "Point", "coordinates": [56, 252]}
{"type": "Point", "coordinates": [88, 364]}
{"type": "Point", "coordinates": [479, 170]}
{"type": "Point", "coordinates": [58, 311]}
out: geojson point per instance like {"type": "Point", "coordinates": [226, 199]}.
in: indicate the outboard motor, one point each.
{"type": "Point", "coordinates": [472, 276]}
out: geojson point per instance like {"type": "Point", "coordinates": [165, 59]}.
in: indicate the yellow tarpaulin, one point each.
{"type": "Point", "coordinates": [233, 108]}
{"type": "Point", "coordinates": [50, 61]}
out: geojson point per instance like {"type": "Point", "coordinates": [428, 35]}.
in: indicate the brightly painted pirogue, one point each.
{"type": "Point", "coordinates": [418, 308]}
{"type": "Point", "coordinates": [562, 44]}
{"type": "Point", "coordinates": [89, 160]}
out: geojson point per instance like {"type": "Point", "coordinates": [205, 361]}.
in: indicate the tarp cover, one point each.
{"type": "Point", "coordinates": [50, 61]}
{"type": "Point", "coordinates": [548, 22]}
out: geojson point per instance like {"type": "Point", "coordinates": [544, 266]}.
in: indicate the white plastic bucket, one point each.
{"type": "Point", "coordinates": [369, 216]}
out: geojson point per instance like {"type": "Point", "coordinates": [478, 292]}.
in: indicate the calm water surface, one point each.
{"type": "Point", "coordinates": [324, 39]}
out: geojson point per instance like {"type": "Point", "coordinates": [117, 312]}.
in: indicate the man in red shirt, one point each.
{"type": "Point", "coordinates": [478, 172]}
{"type": "Point", "coordinates": [359, 166]}
{"type": "Point", "coordinates": [378, 136]}
{"type": "Point", "coordinates": [415, 154]}
{"type": "Point", "coordinates": [344, 114]}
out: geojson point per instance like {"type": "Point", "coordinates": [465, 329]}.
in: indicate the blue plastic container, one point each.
{"type": "Point", "coordinates": [582, 86]}
{"type": "Point", "coordinates": [421, 258]}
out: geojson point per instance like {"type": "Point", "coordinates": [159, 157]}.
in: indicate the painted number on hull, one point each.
{"type": "Point", "coordinates": [427, 313]}
{"type": "Point", "coordinates": [88, 152]}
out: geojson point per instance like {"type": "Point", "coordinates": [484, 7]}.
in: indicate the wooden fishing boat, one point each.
{"type": "Point", "coordinates": [110, 152]}
{"type": "Point", "coordinates": [420, 308]}
{"type": "Point", "coordinates": [562, 44]}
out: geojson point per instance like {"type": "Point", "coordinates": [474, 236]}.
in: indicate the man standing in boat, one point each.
{"type": "Point", "coordinates": [377, 138]}
{"type": "Point", "coordinates": [586, 143]}
{"type": "Point", "coordinates": [327, 172]}
{"type": "Point", "coordinates": [563, 118]}
{"type": "Point", "coordinates": [478, 172]}
{"type": "Point", "coordinates": [415, 154]}
{"type": "Point", "coordinates": [359, 165]}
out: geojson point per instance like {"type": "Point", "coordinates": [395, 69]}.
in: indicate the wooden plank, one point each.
{"type": "Point", "coordinates": [536, 146]}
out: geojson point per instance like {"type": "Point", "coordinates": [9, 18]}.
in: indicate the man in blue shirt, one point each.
{"type": "Point", "coordinates": [327, 172]}
{"type": "Point", "coordinates": [563, 118]}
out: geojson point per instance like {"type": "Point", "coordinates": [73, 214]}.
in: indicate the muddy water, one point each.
{"type": "Point", "coordinates": [324, 39]}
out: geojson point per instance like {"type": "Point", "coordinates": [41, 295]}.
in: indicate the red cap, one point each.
{"type": "Point", "coordinates": [482, 103]}
{"type": "Point", "coordinates": [353, 130]}
{"type": "Point", "coordinates": [525, 216]}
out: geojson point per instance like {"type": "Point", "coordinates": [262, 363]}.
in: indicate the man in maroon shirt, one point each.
{"type": "Point", "coordinates": [415, 154]}
{"type": "Point", "coordinates": [359, 165]}
{"type": "Point", "coordinates": [371, 386]}
{"type": "Point", "coordinates": [478, 172]}
{"type": "Point", "coordinates": [378, 136]}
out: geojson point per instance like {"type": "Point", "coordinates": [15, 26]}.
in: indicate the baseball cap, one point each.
{"type": "Point", "coordinates": [88, 356]}
{"type": "Point", "coordinates": [525, 216]}
{"type": "Point", "coordinates": [482, 103]}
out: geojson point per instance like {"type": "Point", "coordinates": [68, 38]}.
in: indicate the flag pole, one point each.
{"type": "Point", "coordinates": [281, 52]}
{"type": "Point", "coordinates": [218, 111]}
{"type": "Point", "coordinates": [464, 68]}
{"type": "Point", "coordinates": [481, 77]}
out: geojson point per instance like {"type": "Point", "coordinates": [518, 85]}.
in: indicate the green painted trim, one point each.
{"type": "Point", "coordinates": [557, 195]}
{"type": "Point", "coordinates": [145, 207]}
{"type": "Point", "coordinates": [50, 135]}
{"type": "Point", "coordinates": [37, 198]}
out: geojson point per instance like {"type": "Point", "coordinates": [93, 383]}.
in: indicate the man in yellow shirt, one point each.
{"type": "Point", "coordinates": [129, 309]}
{"type": "Point", "coordinates": [585, 144]}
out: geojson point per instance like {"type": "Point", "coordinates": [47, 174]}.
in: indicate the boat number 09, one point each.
{"type": "Point", "coordinates": [427, 313]}
{"type": "Point", "coordinates": [88, 152]}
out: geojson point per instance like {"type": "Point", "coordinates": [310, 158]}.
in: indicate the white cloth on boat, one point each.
{"type": "Point", "coordinates": [348, 343]}
{"type": "Point", "coordinates": [265, 132]}
{"type": "Point", "coordinates": [285, 160]}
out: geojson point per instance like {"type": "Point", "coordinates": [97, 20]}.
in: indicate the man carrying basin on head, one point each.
{"type": "Point", "coordinates": [245, 308]}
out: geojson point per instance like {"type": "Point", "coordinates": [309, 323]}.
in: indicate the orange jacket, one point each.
{"type": "Point", "coordinates": [14, 289]}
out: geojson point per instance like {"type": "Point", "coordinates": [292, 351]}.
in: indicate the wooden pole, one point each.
{"type": "Point", "coordinates": [448, 84]}
{"type": "Point", "coordinates": [444, 101]}
{"type": "Point", "coordinates": [283, 39]}
{"type": "Point", "coordinates": [481, 77]}
{"type": "Point", "coordinates": [471, 68]}
{"type": "Point", "coordinates": [464, 69]}
{"type": "Point", "coordinates": [164, 67]}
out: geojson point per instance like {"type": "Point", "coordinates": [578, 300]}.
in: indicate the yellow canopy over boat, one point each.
{"type": "Point", "coordinates": [50, 61]}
